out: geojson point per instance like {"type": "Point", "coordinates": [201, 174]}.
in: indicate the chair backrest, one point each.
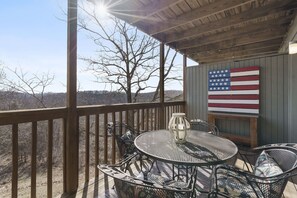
{"type": "Point", "coordinates": [125, 136]}
{"type": "Point", "coordinates": [131, 186]}
{"type": "Point", "coordinates": [202, 125]}
{"type": "Point", "coordinates": [285, 158]}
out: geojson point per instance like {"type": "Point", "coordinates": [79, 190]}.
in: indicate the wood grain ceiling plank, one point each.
{"type": "Point", "coordinates": [260, 45]}
{"type": "Point", "coordinates": [155, 7]}
{"type": "Point", "coordinates": [236, 32]}
{"type": "Point", "coordinates": [252, 38]}
{"type": "Point", "coordinates": [269, 9]}
{"type": "Point", "coordinates": [237, 56]}
{"type": "Point", "coordinates": [198, 13]}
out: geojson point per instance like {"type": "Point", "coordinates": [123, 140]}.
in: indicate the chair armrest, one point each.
{"type": "Point", "coordinates": [249, 177]}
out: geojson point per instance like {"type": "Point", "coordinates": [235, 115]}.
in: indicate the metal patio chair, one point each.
{"type": "Point", "coordinates": [125, 135]}
{"type": "Point", "coordinates": [200, 125]}
{"type": "Point", "coordinates": [203, 125]}
{"type": "Point", "coordinates": [277, 166]}
{"type": "Point", "coordinates": [144, 184]}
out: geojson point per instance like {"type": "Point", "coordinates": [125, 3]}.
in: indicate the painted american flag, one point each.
{"type": "Point", "coordinates": [234, 90]}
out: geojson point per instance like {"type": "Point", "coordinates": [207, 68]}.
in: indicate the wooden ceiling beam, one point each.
{"type": "Point", "coordinates": [238, 55]}
{"type": "Point", "coordinates": [272, 8]}
{"type": "Point", "coordinates": [291, 35]}
{"type": "Point", "coordinates": [155, 7]}
{"type": "Point", "coordinates": [251, 38]}
{"type": "Point", "coordinates": [235, 59]}
{"type": "Point", "coordinates": [198, 13]}
{"type": "Point", "coordinates": [260, 45]}
{"type": "Point", "coordinates": [271, 24]}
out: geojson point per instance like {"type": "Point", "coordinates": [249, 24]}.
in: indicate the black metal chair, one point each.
{"type": "Point", "coordinates": [203, 125]}
{"type": "Point", "coordinates": [129, 184]}
{"type": "Point", "coordinates": [125, 135]}
{"type": "Point", "coordinates": [279, 164]}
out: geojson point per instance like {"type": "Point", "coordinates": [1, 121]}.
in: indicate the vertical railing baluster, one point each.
{"type": "Point", "coordinates": [64, 153]}
{"type": "Point", "coordinates": [152, 118]}
{"type": "Point", "coordinates": [121, 121]}
{"type": "Point", "coordinates": [147, 120]}
{"type": "Point", "coordinates": [155, 118]}
{"type": "Point", "coordinates": [142, 119]}
{"type": "Point", "coordinates": [105, 138]}
{"type": "Point", "coordinates": [15, 164]}
{"type": "Point", "coordinates": [33, 159]}
{"type": "Point", "coordinates": [113, 140]}
{"type": "Point", "coordinates": [137, 120]}
{"type": "Point", "coordinates": [127, 117]}
{"type": "Point", "coordinates": [50, 160]}
{"type": "Point", "coordinates": [96, 144]}
{"type": "Point", "coordinates": [87, 148]}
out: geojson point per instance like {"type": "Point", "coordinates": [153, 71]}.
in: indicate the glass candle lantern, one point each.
{"type": "Point", "coordinates": [178, 126]}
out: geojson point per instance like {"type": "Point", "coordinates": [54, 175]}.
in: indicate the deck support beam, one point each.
{"type": "Point", "coordinates": [71, 136]}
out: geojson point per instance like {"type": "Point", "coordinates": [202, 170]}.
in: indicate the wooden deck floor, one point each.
{"type": "Point", "coordinates": [102, 187]}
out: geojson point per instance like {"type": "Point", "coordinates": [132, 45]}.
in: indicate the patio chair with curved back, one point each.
{"type": "Point", "coordinates": [131, 183]}
{"type": "Point", "coordinates": [273, 167]}
{"type": "Point", "coordinates": [200, 125]}
{"type": "Point", "coordinates": [203, 125]}
{"type": "Point", "coordinates": [124, 135]}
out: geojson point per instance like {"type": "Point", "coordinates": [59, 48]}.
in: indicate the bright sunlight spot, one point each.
{"type": "Point", "coordinates": [102, 10]}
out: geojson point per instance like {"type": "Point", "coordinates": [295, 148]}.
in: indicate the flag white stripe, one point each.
{"type": "Point", "coordinates": [234, 101]}
{"type": "Point", "coordinates": [234, 110]}
{"type": "Point", "coordinates": [252, 82]}
{"type": "Point", "coordinates": [246, 73]}
{"type": "Point", "coordinates": [240, 92]}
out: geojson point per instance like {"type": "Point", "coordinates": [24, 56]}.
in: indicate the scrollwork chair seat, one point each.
{"type": "Point", "coordinates": [128, 185]}
{"type": "Point", "coordinates": [271, 172]}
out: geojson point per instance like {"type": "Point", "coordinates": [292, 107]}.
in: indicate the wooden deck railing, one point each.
{"type": "Point", "coordinates": [92, 120]}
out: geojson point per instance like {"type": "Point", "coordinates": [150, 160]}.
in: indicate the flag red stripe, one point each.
{"type": "Point", "coordinates": [235, 97]}
{"type": "Point", "coordinates": [245, 87]}
{"type": "Point", "coordinates": [245, 69]}
{"type": "Point", "coordinates": [243, 106]}
{"type": "Point", "coordinates": [245, 78]}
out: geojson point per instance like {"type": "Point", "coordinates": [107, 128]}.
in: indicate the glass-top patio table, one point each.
{"type": "Point", "coordinates": [201, 148]}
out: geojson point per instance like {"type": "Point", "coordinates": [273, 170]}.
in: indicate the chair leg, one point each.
{"type": "Point", "coordinates": [155, 162]}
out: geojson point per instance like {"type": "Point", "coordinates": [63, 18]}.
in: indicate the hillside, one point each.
{"type": "Point", "coordinates": [13, 100]}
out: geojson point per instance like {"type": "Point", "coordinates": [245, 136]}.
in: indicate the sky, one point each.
{"type": "Point", "coordinates": [33, 37]}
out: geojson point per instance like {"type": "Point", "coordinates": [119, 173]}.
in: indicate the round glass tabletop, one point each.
{"type": "Point", "coordinates": [200, 149]}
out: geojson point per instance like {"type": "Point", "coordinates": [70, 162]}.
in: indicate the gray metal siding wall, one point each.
{"type": "Point", "coordinates": [273, 121]}
{"type": "Point", "coordinates": [292, 104]}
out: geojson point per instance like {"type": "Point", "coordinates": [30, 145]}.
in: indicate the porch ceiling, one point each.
{"type": "Point", "coordinates": [212, 30]}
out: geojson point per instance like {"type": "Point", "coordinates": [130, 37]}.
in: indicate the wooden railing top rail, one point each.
{"type": "Point", "coordinates": [31, 115]}
{"type": "Point", "coordinates": [98, 109]}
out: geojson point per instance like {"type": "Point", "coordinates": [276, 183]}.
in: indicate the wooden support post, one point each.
{"type": "Point", "coordinates": [72, 136]}
{"type": "Point", "coordinates": [185, 82]}
{"type": "Point", "coordinates": [162, 63]}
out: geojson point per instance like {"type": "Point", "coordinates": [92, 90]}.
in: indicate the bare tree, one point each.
{"type": "Point", "coordinates": [23, 82]}
{"type": "Point", "coordinates": [169, 68]}
{"type": "Point", "coordinates": [126, 58]}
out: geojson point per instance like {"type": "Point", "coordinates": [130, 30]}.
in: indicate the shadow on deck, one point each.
{"type": "Point", "coordinates": [102, 187]}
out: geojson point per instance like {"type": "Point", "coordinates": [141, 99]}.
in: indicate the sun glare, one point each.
{"type": "Point", "coordinates": [102, 10]}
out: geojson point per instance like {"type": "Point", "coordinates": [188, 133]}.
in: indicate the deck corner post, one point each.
{"type": "Point", "coordinates": [162, 108]}
{"type": "Point", "coordinates": [185, 82]}
{"type": "Point", "coordinates": [71, 134]}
